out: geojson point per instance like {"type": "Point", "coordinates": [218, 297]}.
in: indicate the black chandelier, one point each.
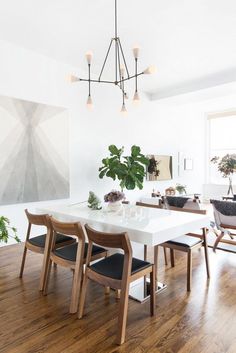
{"type": "Point", "coordinates": [121, 70]}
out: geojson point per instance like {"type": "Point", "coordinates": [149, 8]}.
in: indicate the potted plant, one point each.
{"type": "Point", "coordinates": [129, 170]}
{"type": "Point", "coordinates": [181, 189]}
{"type": "Point", "coordinates": [226, 166]}
{"type": "Point", "coordinates": [114, 199]}
{"type": "Point", "coordinates": [6, 231]}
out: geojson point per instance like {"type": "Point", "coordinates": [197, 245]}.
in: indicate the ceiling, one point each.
{"type": "Point", "coordinates": [191, 42]}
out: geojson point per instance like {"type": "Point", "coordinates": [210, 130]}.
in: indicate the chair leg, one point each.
{"type": "Point", "coordinates": [44, 271]}
{"type": "Point", "coordinates": [47, 275]}
{"type": "Point", "coordinates": [122, 317]}
{"type": "Point", "coordinates": [107, 290]}
{"type": "Point", "coordinates": [76, 285]}
{"type": "Point", "coordinates": [152, 292]}
{"type": "Point", "coordinates": [155, 265]}
{"type": "Point", "coordinates": [189, 270]}
{"type": "Point", "coordinates": [23, 262]}
{"type": "Point", "coordinates": [206, 252]}
{"type": "Point", "coordinates": [117, 293]}
{"type": "Point", "coordinates": [172, 257]}
{"type": "Point", "coordinates": [83, 296]}
{"type": "Point", "coordinates": [218, 239]}
{"type": "Point", "coordinates": [165, 255]}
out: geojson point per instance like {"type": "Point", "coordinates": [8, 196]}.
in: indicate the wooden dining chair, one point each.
{"type": "Point", "coordinates": [72, 256]}
{"type": "Point", "coordinates": [116, 271]}
{"type": "Point", "coordinates": [41, 243]}
{"type": "Point", "coordinates": [187, 243]}
{"type": "Point", "coordinates": [144, 204]}
{"type": "Point", "coordinates": [225, 222]}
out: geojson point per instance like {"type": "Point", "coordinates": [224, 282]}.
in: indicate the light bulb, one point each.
{"type": "Point", "coordinates": [136, 50]}
{"type": "Point", "coordinates": [89, 56]}
{"type": "Point", "coordinates": [122, 71]}
{"type": "Point", "coordinates": [72, 78]}
{"type": "Point", "coordinates": [123, 110]}
{"type": "Point", "coordinates": [89, 103]}
{"type": "Point", "coordinates": [136, 98]}
{"type": "Point", "coordinates": [150, 70]}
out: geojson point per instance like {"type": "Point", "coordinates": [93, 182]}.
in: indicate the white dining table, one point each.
{"type": "Point", "coordinates": [144, 225]}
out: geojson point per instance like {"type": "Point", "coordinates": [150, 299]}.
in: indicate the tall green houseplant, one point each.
{"type": "Point", "coordinates": [129, 170]}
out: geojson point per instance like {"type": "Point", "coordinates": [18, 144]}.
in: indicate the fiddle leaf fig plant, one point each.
{"type": "Point", "coordinates": [6, 231]}
{"type": "Point", "coordinates": [129, 170]}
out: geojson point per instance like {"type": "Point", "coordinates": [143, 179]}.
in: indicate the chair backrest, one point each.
{"type": "Point", "coordinates": [172, 208]}
{"type": "Point", "coordinates": [67, 228]}
{"type": "Point", "coordinates": [36, 219]}
{"type": "Point", "coordinates": [224, 213]}
{"type": "Point", "coordinates": [189, 210]}
{"type": "Point", "coordinates": [109, 240]}
{"type": "Point", "coordinates": [181, 202]}
{"type": "Point", "coordinates": [144, 204]}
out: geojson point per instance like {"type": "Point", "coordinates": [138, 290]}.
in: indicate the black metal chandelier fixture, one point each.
{"type": "Point", "coordinates": [121, 70]}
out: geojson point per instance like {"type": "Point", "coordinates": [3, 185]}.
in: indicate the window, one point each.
{"type": "Point", "coordinates": [222, 141]}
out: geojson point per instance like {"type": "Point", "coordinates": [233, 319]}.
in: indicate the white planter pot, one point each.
{"type": "Point", "coordinates": [114, 206]}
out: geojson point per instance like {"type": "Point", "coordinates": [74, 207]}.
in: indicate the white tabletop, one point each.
{"type": "Point", "coordinates": [144, 225]}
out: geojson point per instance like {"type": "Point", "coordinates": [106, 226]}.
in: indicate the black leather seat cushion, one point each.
{"type": "Point", "coordinates": [69, 252]}
{"type": "Point", "coordinates": [185, 240]}
{"type": "Point", "coordinates": [112, 266]}
{"type": "Point", "coordinates": [40, 240]}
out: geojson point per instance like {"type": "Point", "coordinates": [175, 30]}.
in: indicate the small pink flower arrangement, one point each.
{"type": "Point", "coordinates": [114, 196]}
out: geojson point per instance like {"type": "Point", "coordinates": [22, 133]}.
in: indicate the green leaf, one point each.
{"type": "Point", "coordinates": [135, 150]}
{"type": "Point", "coordinates": [102, 173]}
{"type": "Point", "coordinates": [111, 174]}
{"type": "Point", "coordinates": [143, 160]}
{"type": "Point", "coordinates": [114, 150]}
{"type": "Point", "coordinates": [105, 161]}
{"type": "Point", "coordinates": [130, 183]}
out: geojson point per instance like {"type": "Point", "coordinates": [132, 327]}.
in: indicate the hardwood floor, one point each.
{"type": "Point", "coordinates": [202, 321]}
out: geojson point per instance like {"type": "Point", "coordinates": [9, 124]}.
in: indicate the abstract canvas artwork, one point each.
{"type": "Point", "coordinates": [160, 167]}
{"type": "Point", "coordinates": [34, 151]}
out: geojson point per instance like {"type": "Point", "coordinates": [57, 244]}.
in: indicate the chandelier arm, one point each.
{"type": "Point", "coordinates": [89, 80]}
{"type": "Point", "coordinates": [130, 77]}
{"type": "Point", "coordinates": [126, 67]}
{"type": "Point", "coordinates": [116, 59]}
{"type": "Point", "coordinates": [108, 51]}
{"type": "Point", "coordinates": [96, 81]}
{"type": "Point", "coordinates": [136, 77]}
{"type": "Point", "coordinates": [118, 52]}
{"type": "Point", "coordinates": [121, 88]}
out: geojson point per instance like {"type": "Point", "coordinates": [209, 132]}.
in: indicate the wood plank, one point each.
{"type": "Point", "coordinates": [184, 322]}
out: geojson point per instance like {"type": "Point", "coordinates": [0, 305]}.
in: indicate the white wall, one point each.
{"type": "Point", "coordinates": [164, 127]}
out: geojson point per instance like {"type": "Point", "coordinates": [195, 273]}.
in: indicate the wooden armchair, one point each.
{"type": "Point", "coordinates": [225, 221]}
{"type": "Point", "coordinates": [41, 243]}
{"type": "Point", "coordinates": [72, 256]}
{"type": "Point", "coordinates": [185, 243]}
{"type": "Point", "coordinates": [116, 271]}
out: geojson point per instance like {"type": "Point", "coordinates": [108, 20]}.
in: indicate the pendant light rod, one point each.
{"type": "Point", "coordinates": [116, 19]}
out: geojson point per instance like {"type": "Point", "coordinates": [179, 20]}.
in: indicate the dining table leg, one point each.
{"type": "Point", "coordinates": [145, 277]}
